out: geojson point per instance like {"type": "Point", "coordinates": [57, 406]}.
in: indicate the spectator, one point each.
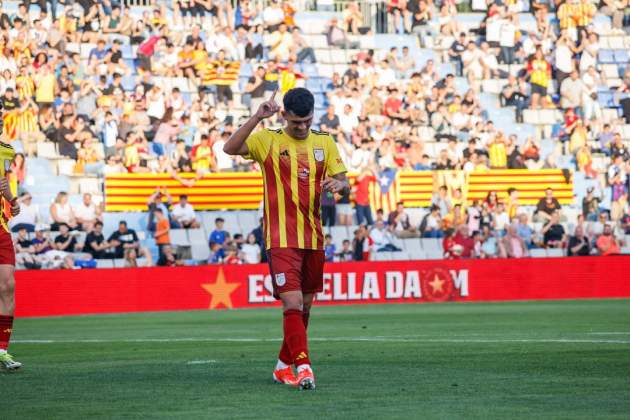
{"type": "Point", "coordinates": [61, 212]}
{"type": "Point", "coordinates": [25, 251]}
{"type": "Point", "coordinates": [232, 256]}
{"type": "Point", "coordinates": [329, 249]}
{"type": "Point", "coordinates": [515, 246]}
{"type": "Point", "coordinates": [168, 258]}
{"type": "Point", "coordinates": [41, 242]}
{"type": "Point", "coordinates": [579, 245]}
{"type": "Point", "coordinates": [95, 243]}
{"type": "Point", "coordinates": [383, 237]}
{"type": "Point", "coordinates": [463, 239]}
{"type": "Point", "coordinates": [157, 201]}
{"type": "Point", "coordinates": [360, 245]}
{"type": "Point", "coordinates": [123, 239]}
{"type": "Point", "coordinates": [251, 250]}
{"type": "Point", "coordinates": [28, 217]}
{"type": "Point", "coordinates": [65, 241]}
{"type": "Point", "coordinates": [217, 253]}
{"type": "Point", "coordinates": [607, 244]}
{"type": "Point", "coordinates": [399, 221]}
{"type": "Point", "coordinates": [345, 253]}
{"type": "Point", "coordinates": [572, 91]}
{"type": "Point", "coordinates": [554, 235]}
{"type": "Point", "coordinates": [431, 225]}
{"type": "Point", "coordinates": [547, 206]}
{"type": "Point", "coordinates": [525, 231]}
{"type": "Point", "coordinates": [539, 71]}
{"type": "Point", "coordinates": [590, 205]}
{"type": "Point", "coordinates": [218, 235]}
{"type": "Point", "coordinates": [87, 213]}
{"type": "Point", "coordinates": [337, 37]}
{"type": "Point", "coordinates": [184, 214]}
{"type": "Point", "coordinates": [362, 193]}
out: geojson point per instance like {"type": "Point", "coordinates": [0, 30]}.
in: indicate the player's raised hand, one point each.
{"type": "Point", "coordinates": [268, 108]}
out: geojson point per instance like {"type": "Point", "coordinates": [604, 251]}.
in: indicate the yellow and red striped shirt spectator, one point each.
{"type": "Point", "coordinates": [540, 72]}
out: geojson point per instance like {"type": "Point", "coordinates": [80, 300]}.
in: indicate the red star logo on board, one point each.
{"type": "Point", "coordinates": [437, 285]}
{"type": "Point", "coordinates": [220, 291]}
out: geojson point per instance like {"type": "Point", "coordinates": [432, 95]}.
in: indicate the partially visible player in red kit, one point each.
{"type": "Point", "coordinates": [297, 164]}
{"type": "Point", "coordinates": [8, 207]}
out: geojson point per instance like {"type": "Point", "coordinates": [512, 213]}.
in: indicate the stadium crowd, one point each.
{"type": "Point", "coordinates": [160, 92]}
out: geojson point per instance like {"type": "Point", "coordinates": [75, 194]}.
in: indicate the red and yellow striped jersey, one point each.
{"type": "Point", "coordinates": [292, 174]}
{"type": "Point", "coordinates": [7, 154]}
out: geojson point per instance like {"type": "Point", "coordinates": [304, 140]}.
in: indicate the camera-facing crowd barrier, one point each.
{"type": "Point", "coordinates": [76, 292]}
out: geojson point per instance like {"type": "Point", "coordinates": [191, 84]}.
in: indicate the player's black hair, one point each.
{"type": "Point", "coordinates": [299, 102]}
{"type": "Point", "coordinates": [219, 219]}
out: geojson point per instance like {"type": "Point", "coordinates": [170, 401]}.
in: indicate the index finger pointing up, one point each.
{"type": "Point", "coordinates": [273, 95]}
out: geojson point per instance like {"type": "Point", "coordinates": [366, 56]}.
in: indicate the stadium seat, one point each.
{"type": "Point", "coordinates": [538, 253]}
{"type": "Point", "coordinates": [417, 254]}
{"type": "Point", "coordinates": [119, 263]}
{"type": "Point", "coordinates": [104, 264]}
{"type": "Point", "coordinates": [197, 237]}
{"type": "Point", "coordinates": [621, 56]}
{"type": "Point", "coordinates": [200, 252]}
{"type": "Point", "coordinates": [412, 244]}
{"type": "Point", "coordinates": [606, 57]}
{"type": "Point", "coordinates": [381, 256]}
{"type": "Point", "coordinates": [399, 256]}
{"type": "Point", "coordinates": [47, 150]}
{"type": "Point", "coordinates": [555, 252]}
{"type": "Point", "coordinates": [179, 237]}
{"type": "Point", "coordinates": [431, 244]}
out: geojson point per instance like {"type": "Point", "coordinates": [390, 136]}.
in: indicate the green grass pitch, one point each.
{"type": "Point", "coordinates": [554, 359]}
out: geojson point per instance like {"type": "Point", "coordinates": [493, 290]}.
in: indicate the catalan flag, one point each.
{"type": "Point", "coordinates": [220, 73]}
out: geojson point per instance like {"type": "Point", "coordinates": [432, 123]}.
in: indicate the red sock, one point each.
{"type": "Point", "coordinates": [295, 337]}
{"type": "Point", "coordinates": [285, 354]}
{"type": "Point", "coordinates": [6, 326]}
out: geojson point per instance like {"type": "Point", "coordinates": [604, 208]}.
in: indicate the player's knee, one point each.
{"type": "Point", "coordinates": [7, 286]}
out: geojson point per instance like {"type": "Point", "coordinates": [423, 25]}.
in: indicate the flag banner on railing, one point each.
{"type": "Point", "coordinates": [244, 190]}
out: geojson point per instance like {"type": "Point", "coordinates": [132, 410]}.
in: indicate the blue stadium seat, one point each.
{"type": "Point", "coordinates": [314, 84]}
{"type": "Point", "coordinates": [321, 101]}
{"type": "Point", "coordinates": [606, 57]}
{"type": "Point", "coordinates": [605, 99]}
{"type": "Point", "coordinates": [310, 69]}
{"type": "Point", "coordinates": [621, 57]}
{"type": "Point", "coordinates": [246, 69]}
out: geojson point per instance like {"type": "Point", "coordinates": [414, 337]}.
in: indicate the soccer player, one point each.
{"type": "Point", "coordinates": [9, 207]}
{"type": "Point", "coordinates": [298, 164]}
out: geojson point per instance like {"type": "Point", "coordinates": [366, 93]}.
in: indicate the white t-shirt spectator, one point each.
{"type": "Point", "coordinates": [508, 34]}
{"type": "Point", "coordinates": [251, 253]}
{"type": "Point", "coordinates": [564, 58]}
{"type": "Point", "coordinates": [84, 212]}
{"type": "Point", "coordinates": [493, 29]}
{"type": "Point", "coordinates": [273, 15]}
{"type": "Point", "coordinates": [386, 76]}
{"type": "Point", "coordinates": [224, 161]}
{"type": "Point", "coordinates": [185, 214]}
{"type": "Point", "coordinates": [28, 215]}
{"type": "Point", "coordinates": [348, 122]}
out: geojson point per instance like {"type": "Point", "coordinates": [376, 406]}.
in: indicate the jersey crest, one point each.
{"type": "Point", "coordinates": [318, 154]}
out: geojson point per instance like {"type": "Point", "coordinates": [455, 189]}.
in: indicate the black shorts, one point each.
{"type": "Point", "coordinates": [541, 90]}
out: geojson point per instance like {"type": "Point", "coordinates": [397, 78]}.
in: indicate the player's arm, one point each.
{"type": "Point", "coordinates": [236, 143]}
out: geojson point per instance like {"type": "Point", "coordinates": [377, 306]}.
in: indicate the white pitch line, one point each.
{"type": "Point", "coordinates": [331, 339]}
{"type": "Point", "coordinates": [201, 362]}
{"type": "Point", "coordinates": [610, 333]}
